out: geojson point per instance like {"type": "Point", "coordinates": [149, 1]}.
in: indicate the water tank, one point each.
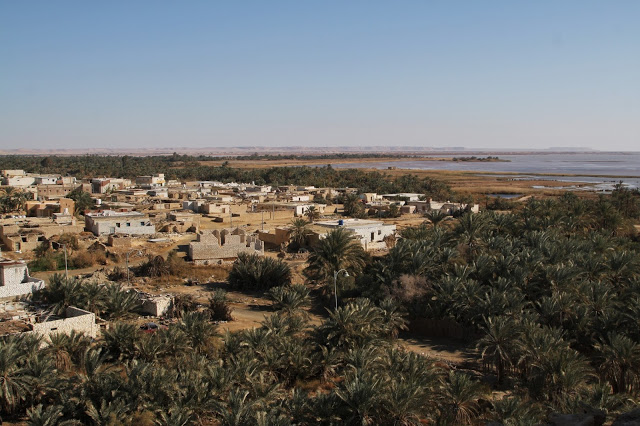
{"type": "Point", "coordinates": [340, 222]}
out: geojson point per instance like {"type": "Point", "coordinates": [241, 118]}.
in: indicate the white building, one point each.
{"type": "Point", "coordinates": [112, 222]}
{"type": "Point", "coordinates": [370, 232]}
{"type": "Point", "coordinates": [15, 280]}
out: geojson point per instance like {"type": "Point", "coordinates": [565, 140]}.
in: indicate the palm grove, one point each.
{"type": "Point", "coordinates": [549, 293]}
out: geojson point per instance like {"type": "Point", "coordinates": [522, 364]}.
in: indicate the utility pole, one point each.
{"type": "Point", "coordinates": [262, 222]}
{"type": "Point", "coordinates": [66, 268]}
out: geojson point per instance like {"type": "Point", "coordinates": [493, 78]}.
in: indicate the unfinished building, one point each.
{"type": "Point", "coordinates": [23, 320]}
{"type": "Point", "coordinates": [225, 245]}
{"type": "Point", "coordinates": [27, 234]}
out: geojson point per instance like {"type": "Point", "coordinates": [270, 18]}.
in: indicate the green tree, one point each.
{"type": "Point", "coordinates": [299, 232]}
{"type": "Point", "coordinates": [252, 271]}
{"type": "Point", "coordinates": [338, 250]}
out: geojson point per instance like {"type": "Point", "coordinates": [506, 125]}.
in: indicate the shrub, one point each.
{"type": "Point", "coordinates": [254, 272]}
{"type": "Point", "coordinates": [219, 308]}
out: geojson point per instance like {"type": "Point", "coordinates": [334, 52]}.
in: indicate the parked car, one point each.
{"type": "Point", "coordinates": [151, 327]}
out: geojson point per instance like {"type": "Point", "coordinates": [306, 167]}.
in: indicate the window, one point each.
{"type": "Point", "coordinates": [117, 225]}
{"type": "Point", "coordinates": [141, 223]}
{"type": "Point", "coordinates": [128, 223]}
{"type": "Point", "coordinates": [379, 231]}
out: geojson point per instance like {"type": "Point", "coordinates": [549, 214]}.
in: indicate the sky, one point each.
{"type": "Point", "coordinates": [478, 74]}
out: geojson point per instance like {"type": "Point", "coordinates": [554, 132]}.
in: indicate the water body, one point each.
{"type": "Point", "coordinates": [506, 196]}
{"type": "Point", "coordinates": [590, 166]}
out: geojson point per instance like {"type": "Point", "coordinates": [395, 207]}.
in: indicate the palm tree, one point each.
{"type": "Point", "coordinates": [312, 214]}
{"type": "Point", "coordinates": [352, 205]}
{"type": "Point", "coordinates": [359, 397]}
{"type": "Point", "coordinates": [619, 362]}
{"type": "Point", "coordinates": [460, 398]}
{"type": "Point", "coordinates": [49, 416]}
{"type": "Point", "coordinates": [254, 272]}
{"type": "Point", "coordinates": [470, 230]}
{"type": "Point", "coordinates": [498, 345]}
{"type": "Point", "coordinates": [219, 308]}
{"type": "Point", "coordinates": [353, 325]}
{"type": "Point", "coordinates": [14, 381]}
{"type": "Point", "coordinates": [338, 250]}
{"type": "Point", "coordinates": [299, 232]}
{"type": "Point", "coordinates": [237, 409]}
{"type": "Point", "coordinates": [560, 373]}
{"type": "Point", "coordinates": [289, 299]}
{"type": "Point", "coordinates": [120, 340]}
{"type": "Point", "coordinates": [435, 217]}
{"type": "Point", "coordinates": [513, 411]}
{"type": "Point", "coordinates": [57, 349]}
{"type": "Point", "coordinates": [119, 302]}
{"type": "Point", "coordinates": [393, 317]}
{"type": "Point", "coordinates": [199, 330]}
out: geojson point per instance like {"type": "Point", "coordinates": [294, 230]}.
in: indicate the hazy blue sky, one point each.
{"type": "Point", "coordinates": [496, 74]}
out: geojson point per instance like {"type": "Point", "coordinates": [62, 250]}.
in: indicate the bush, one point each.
{"type": "Point", "coordinates": [219, 308]}
{"type": "Point", "coordinates": [48, 262]}
{"type": "Point", "coordinates": [156, 266]}
{"type": "Point", "coordinates": [254, 272]}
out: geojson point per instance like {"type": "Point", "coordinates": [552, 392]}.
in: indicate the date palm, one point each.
{"type": "Point", "coordinates": [498, 345]}
{"type": "Point", "coordinates": [299, 231]}
{"type": "Point", "coordinates": [338, 250]}
{"type": "Point", "coordinates": [312, 214]}
{"type": "Point", "coordinates": [289, 299]}
{"type": "Point", "coordinates": [460, 396]}
{"type": "Point", "coordinates": [359, 399]}
{"type": "Point", "coordinates": [435, 217]}
{"type": "Point", "coordinates": [199, 330]}
{"type": "Point", "coordinates": [119, 302]}
{"type": "Point", "coordinates": [120, 340]}
{"type": "Point", "coordinates": [470, 229]}
{"type": "Point", "coordinates": [393, 317]}
{"type": "Point", "coordinates": [254, 272]}
{"type": "Point", "coordinates": [14, 379]}
{"type": "Point", "coordinates": [619, 362]}
{"type": "Point", "coordinates": [236, 410]}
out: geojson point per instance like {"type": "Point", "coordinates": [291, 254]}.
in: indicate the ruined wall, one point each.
{"type": "Point", "coordinates": [157, 306]}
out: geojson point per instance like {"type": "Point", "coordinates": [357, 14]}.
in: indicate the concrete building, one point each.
{"type": "Point", "coordinates": [216, 246]}
{"type": "Point", "coordinates": [155, 305]}
{"type": "Point", "coordinates": [15, 280]}
{"type": "Point", "coordinates": [371, 233]}
{"type": "Point", "coordinates": [446, 207]}
{"type": "Point", "coordinates": [50, 207]}
{"type": "Point", "coordinates": [112, 222]}
{"type": "Point", "coordinates": [44, 192]}
{"type": "Point", "coordinates": [298, 209]}
{"type": "Point", "coordinates": [276, 238]}
{"type": "Point", "coordinates": [152, 181]}
{"type": "Point", "coordinates": [402, 196]}
{"type": "Point", "coordinates": [104, 185]}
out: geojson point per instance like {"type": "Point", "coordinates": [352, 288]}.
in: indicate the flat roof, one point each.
{"type": "Point", "coordinates": [349, 223]}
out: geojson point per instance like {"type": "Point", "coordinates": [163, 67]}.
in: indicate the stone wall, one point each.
{"type": "Point", "coordinates": [76, 319]}
{"type": "Point", "coordinates": [155, 305]}
{"type": "Point", "coordinates": [21, 289]}
{"type": "Point", "coordinates": [227, 244]}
